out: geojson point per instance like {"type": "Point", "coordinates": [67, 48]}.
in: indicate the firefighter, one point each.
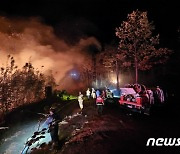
{"type": "Point", "coordinates": [159, 95]}
{"type": "Point", "coordinates": [80, 100]}
{"type": "Point", "coordinates": [88, 93]}
{"type": "Point", "coordinates": [93, 93]}
{"type": "Point", "coordinates": [103, 94]}
{"type": "Point", "coordinates": [97, 93]}
{"type": "Point", "coordinates": [109, 94]}
{"type": "Point", "coordinates": [151, 97]}
{"type": "Point", "coordinates": [52, 121]}
{"type": "Point", "coordinates": [99, 104]}
{"type": "Point", "coordinates": [144, 95]}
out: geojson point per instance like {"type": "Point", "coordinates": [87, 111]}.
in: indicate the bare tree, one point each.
{"type": "Point", "coordinates": [137, 44]}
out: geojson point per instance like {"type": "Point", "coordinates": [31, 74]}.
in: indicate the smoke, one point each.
{"type": "Point", "coordinates": [29, 40]}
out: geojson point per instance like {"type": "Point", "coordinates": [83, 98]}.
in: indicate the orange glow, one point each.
{"type": "Point", "coordinates": [31, 41]}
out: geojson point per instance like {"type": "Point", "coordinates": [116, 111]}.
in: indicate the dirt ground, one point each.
{"type": "Point", "coordinates": [116, 131]}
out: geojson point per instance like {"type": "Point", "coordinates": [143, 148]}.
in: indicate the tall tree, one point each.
{"type": "Point", "coordinates": [93, 50]}
{"type": "Point", "coordinates": [137, 44]}
{"type": "Point", "coordinates": [87, 70]}
{"type": "Point", "coordinates": [112, 60]}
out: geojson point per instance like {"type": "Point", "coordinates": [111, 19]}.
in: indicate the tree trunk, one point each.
{"type": "Point", "coordinates": [136, 63]}
{"type": "Point", "coordinates": [94, 68]}
{"type": "Point", "coordinates": [87, 74]}
{"type": "Point", "coordinates": [117, 75]}
{"type": "Point", "coordinates": [136, 69]}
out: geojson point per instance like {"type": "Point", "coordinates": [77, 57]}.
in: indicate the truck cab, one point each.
{"type": "Point", "coordinates": [130, 99]}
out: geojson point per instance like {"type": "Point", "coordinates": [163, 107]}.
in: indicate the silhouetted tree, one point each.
{"type": "Point", "coordinates": [112, 61]}
{"type": "Point", "coordinates": [87, 71]}
{"type": "Point", "coordinates": [109, 61]}
{"type": "Point", "coordinates": [21, 86]}
{"type": "Point", "coordinates": [137, 44]}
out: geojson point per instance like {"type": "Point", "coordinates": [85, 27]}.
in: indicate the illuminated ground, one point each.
{"type": "Point", "coordinates": [120, 132]}
{"type": "Point", "coordinates": [116, 131]}
{"type": "Point", "coordinates": [22, 125]}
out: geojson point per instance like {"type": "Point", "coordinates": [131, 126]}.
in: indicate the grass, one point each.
{"type": "Point", "coordinates": [68, 97]}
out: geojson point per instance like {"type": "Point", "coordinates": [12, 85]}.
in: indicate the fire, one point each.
{"type": "Point", "coordinates": [29, 40]}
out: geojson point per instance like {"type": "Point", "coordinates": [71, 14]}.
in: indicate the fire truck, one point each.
{"type": "Point", "coordinates": [130, 99]}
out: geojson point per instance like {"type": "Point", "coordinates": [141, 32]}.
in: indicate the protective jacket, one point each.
{"type": "Point", "coordinates": [99, 101]}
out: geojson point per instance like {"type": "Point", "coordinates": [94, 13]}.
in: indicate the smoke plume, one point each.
{"type": "Point", "coordinates": [29, 40]}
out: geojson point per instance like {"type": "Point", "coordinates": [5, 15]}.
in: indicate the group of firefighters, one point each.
{"type": "Point", "coordinates": [148, 96]}
{"type": "Point", "coordinates": [99, 95]}
{"type": "Point", "coordinates": [155, 96]}
{"type": "Point", "coordinates": [53, 118]}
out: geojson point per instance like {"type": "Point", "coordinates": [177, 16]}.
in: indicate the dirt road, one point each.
{"type": "Point", "coordinates": [116, 131]}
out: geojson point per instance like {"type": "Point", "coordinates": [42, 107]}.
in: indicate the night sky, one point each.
{"type": "Point", "coordinates": [73, 19]}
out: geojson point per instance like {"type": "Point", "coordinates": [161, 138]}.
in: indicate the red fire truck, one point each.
{"type": "Point", "coordinates": [130, 99]}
